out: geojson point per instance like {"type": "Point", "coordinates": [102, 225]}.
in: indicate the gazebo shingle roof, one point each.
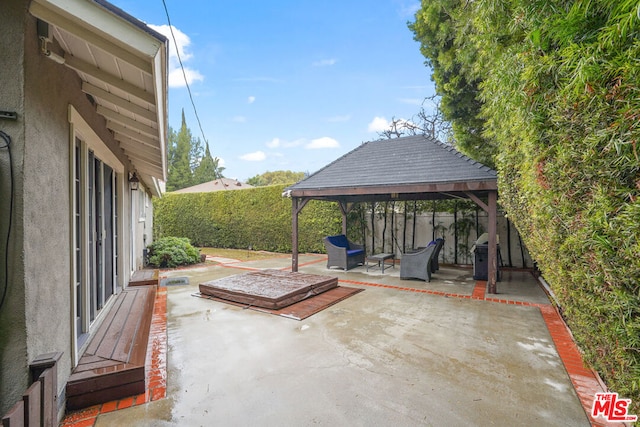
{"type": "Point", "coordinates": [408, 160]}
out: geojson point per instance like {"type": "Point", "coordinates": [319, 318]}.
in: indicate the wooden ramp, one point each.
{"type": "Point", "coordinates": [113, 365]}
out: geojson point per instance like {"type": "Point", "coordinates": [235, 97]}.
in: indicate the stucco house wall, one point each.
{"type": "Point", "coordinates": [13, 345]}
{"type": "Point", "coordinates": [37, 315]}
{"type": "Point", "coordinates": [144, 226]}
{"type": "Point", "coordinates": [45, 204]}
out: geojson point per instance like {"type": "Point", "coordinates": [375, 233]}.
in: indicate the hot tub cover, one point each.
{"type": "Point", "coordinates": [273, 289]}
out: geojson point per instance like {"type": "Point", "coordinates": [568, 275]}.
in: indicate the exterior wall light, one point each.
{"type": "Point", "coordinates": [134, 182]}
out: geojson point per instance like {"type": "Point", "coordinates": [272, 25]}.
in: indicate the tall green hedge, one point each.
{"type": "Point", "coordinates": [259, 218]}
{"type": "Point", "coordinates": [570, 170]}
{"type": "Point", "coordinates": [560, 96]}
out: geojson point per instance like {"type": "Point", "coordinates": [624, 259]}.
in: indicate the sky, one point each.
{"type": "Point", "coordinates": [285, 84]}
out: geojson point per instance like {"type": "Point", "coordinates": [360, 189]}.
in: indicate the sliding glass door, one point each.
{"type": "Point", "coordinates": [95, 235]}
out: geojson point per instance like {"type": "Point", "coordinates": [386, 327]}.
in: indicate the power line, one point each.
{"type": "Point", "coordinates": [186, 82]}
{"type": "Point", "coordinates": [184, 74]}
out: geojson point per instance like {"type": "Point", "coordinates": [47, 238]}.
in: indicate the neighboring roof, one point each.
{"type": "Point", "coordinates": [123, 66]}
{"type": "Point", "coordinates": [215, 185]}
{"type": "Point", "coordinates": [397, 167]}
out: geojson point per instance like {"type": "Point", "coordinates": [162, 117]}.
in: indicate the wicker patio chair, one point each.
{"type": "Point", "coordinates": [417, 265]}
{"type": "Point", "coordinates": [342, 252]}
{"type": "Point", "coordinates": [435, 266]}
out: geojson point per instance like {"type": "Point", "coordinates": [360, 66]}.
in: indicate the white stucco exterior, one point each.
{"type": "Point", "coordinates": [54, 116]}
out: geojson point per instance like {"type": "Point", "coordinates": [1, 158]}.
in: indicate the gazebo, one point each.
{"type": "Point", "coordinates": [408, 168]}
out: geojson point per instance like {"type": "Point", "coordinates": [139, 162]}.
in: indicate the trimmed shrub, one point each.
{"type": "Point", "coordinates": [172, 252]}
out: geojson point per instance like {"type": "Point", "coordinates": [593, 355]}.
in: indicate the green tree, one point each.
{"type": "Point", "coordinates": [208, 169]}
{"type": "Point", "coordinates": [196, 154]}
{"type": "Point", "coordinates": [179, 168]}
{"type": "Point", "coordinates": [443, 28]}
{"type": "Point", "coordinates": [179, 157]}
{"type": "Point", "coordinates": [276, 178]}
{"type": "Point", "coordinates": [189, 162]}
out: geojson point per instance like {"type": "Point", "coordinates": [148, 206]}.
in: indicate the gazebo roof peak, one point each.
{"type": "Point", "coordinates": [410, 160]}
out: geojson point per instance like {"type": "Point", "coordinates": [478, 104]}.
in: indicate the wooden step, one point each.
{"type": "Point", "coordinates": [113, 365]}
{"type": "Point", "coordinates": [144, 278]}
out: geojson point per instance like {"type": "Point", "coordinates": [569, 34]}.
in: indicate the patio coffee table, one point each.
{"type": "Point", "coordinates": [380, 259]}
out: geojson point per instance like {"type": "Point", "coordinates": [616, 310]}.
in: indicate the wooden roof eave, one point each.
{"type": "Point", "coordinates": [398, 191]}
{"type": "Point", "coordinates": [123, 66]}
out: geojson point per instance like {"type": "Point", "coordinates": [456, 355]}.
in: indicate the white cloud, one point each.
{"type": "Point", "coordinates": [378, 124]}
{"type": "Point", "coordinates": [182, 42]}
{"type": "Point", "coordinates": [280, 143]}
{"type": "Point", "coordinates": [239, 119]}
{"type": "Point", "coordinates": [324, 142]}
{"type": "Point", "coordinates": [336, 119]}
{"type": "Point", "coordinates": [251, 99]}
{"type": "Point", "coordinates": [176, 77]}
{"type": "Point", "coordinates": [256, 156]}
{"type": "Point", "coordinates": [324, 62]}
{"type": "Point", "coordinates": [274, 143]}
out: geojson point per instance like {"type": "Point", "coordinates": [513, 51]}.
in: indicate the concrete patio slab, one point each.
{"type": "Point", "coordinates": [402, 352]}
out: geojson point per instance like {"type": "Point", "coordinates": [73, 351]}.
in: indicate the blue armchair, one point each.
{"type": "Point", "coordinates": [342, 252]}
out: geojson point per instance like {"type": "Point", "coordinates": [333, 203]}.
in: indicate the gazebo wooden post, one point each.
{"type": "Point", "coordinates": [344, 209]}
{"type": "Point", "coordinates": [492, 272]}
{"type": "Point", "coordinates": [294, 234]}
{"type": "Point", "coordinates": [296, 206]}
{"type": "Point", "coordinates": [491, 208]}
